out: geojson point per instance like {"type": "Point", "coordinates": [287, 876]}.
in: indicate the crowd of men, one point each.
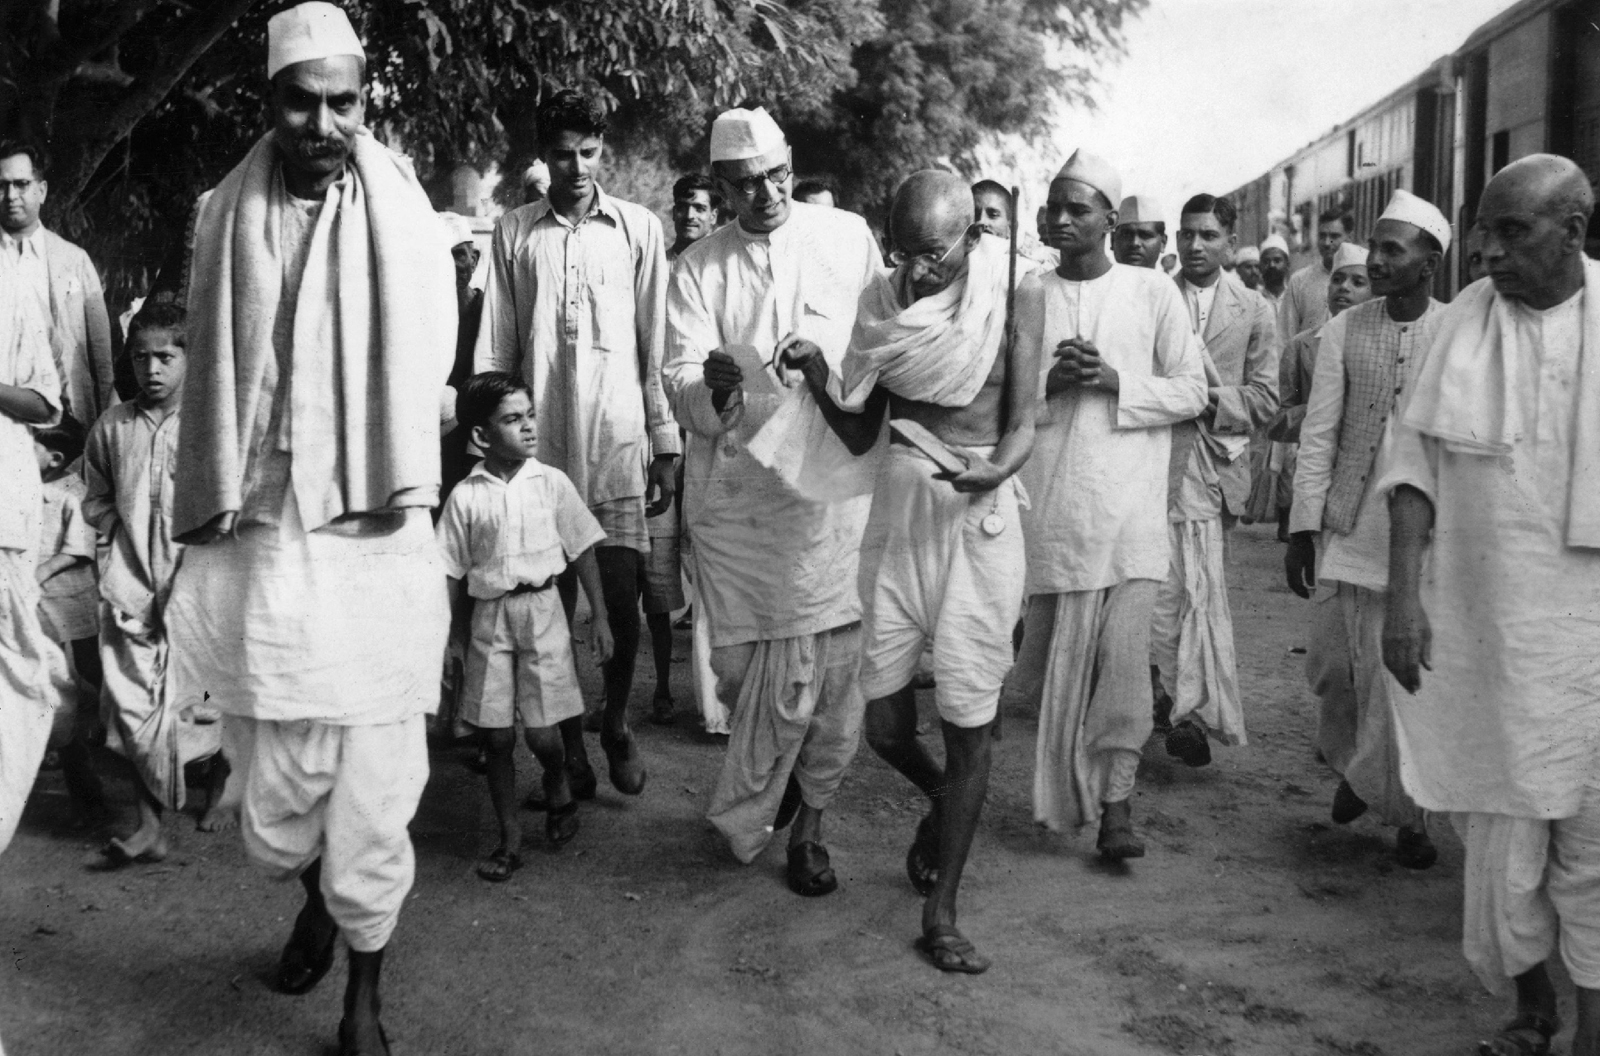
{"type": "Point", "coordinates": [1005, 475]}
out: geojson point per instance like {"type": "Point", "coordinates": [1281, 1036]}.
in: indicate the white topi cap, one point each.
{"type": "Point", "coordinates": [1275, 241]}
{"type": "Point", "coordinates": [1136, 209]}
{"type": "Point", "coordinates": [1247, 255]}
{"type": "Point", "coordinates": [1419, 212]}
{"type": "Point", "coordinates": [459, 228]}
{"type": "Point", "coordinates": [1095, 171]}
{"type": "Point", "coordinates": [1349, 255]}
{"type": "Point", "coordinates": [310, 31]}
{"type": "Point", "coordinates": [739, 134]}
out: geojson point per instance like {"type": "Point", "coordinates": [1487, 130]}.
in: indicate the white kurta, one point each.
{"type": "Point", "coordinates": [1360, 557]}
{"type": "Point", "coordinates": [1508, 720]}
{"type": "Point", "coordinates": [1097, 477]}
{"type": "Point", "coordinates": [769, 564]}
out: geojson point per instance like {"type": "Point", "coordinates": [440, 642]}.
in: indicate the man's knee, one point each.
{"type": "Point", "coordinates": [619, 582]}
{"type": "Point", "coordinates": [544, 740]}
{"type": "Point", "coordinates": [887, 727]}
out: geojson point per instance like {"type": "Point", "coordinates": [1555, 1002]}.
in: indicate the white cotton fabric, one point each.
{"type": "Point", "coordinates": [32, 678]}
{"type": "Point", "coordinates": [799, 711]}
{"type": "Point", "coordinates": [1418, 212]}
{"type": "Point", "coordinates": [500, 534]}
{"type": "Point", "coordinates": [520, 663]}
{"type": "Point", "coordinates": [344, 794]}
{"type": "Point", "coordinates": [930, 574]}
{"type": "Point", "coordinates": [308, 32]}
{"type": "Point", "coordinates": [1095, 171]}
{"type": "Point", "coordinates": [1361, 556]}
{"type": "Point", "coordinates": [1531, 887]}
{"type": "Point", "coordinates": [281, 624]}
{"type": "Point", "coordinates": [1355, 723]}
{"type": "Point", "coordinates": [738, 134]}
{"type": "Point", "coordinates": [1097, 478]}
{"type": "Point", "coordinates": [769, 563]}
{"type": "Point", "coordinates": [1348, 255]}
{"type": "Point", "coordinates": [1191, 639]}
{"type": "Point", "coordinates": [1305, 301]}
{"type": "Point", "coordinates": [1508, 720]}
{"type": "Point", "coordinates": [1095, 708]}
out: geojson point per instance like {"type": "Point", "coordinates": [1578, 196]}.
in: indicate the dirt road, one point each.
{"type": "Point", "coordinates": [1254, 927]}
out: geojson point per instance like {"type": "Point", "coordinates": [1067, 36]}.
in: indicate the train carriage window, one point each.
{"type": "Point", "coordinates": [1499, 151]}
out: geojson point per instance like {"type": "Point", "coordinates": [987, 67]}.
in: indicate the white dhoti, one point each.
{"type": "Point", "coordinates": [1092, 648]}
{"type": "Point", "coordinates": [1191, 639]}
{"type": "Point", "coordinates": [1355, 725]}
{"type": "Point", "coordinates": [345, 794]}
{"type": "Point", "coordinates": [143, 724]}
{"type": "Point", "coordinates": [32, 677]}
{"type": "Point", "coordinates": [1532, 886]}
{"type": "Point", "coordinates": [930, 573]}
{"type": "Point", "coordinates": [799, 711]}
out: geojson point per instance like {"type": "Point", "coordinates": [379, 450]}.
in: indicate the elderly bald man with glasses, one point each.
{"type": "Point", "coordinates": [775, 569]}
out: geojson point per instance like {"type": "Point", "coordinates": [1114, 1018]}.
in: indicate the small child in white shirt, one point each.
{"type": "Point", "coordinates": [509, 529]}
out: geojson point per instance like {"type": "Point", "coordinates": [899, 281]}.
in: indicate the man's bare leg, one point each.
{"type": "Point", "coordinates": [147, 843]}
{"type": "Point", "coordinates": [1535, 1019]}
{"type": "Point", "coordinates": [360, 1032]}
{"type": "Point", "coordinates": [308, 954]}
{"type": "Point", "coordinates": [660, 627]}
{"type": "Point", "coordinates": [1586, 1039]}
{"type": "Point", "coordinates": [956, 793]}
{"type": "Point", "coordinates": [561, 809]}
{"type": "Point", "coordinates": [619, 581]}
{"type": "Point", "coordinates": [810, 873]}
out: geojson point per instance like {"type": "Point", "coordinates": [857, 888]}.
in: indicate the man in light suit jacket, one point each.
{"type": "Point", "coordinates": [1191, 640]}
{"type": "Point", "coordinates": [61, 276]}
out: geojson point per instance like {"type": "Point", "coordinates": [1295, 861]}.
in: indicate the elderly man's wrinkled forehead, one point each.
{"type": "Point", "coordinates": [1542, 184]}
{"type": "Point", "coordinates": [334, 77]}
{"type": "Point", "coordinates": [930, 206]}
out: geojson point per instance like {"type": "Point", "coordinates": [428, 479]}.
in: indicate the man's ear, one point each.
{"type": "Point", "coordinates": [479, 437]}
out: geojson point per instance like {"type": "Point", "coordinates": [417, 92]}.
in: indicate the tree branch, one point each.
{"type": "Point", "coordinates": [99, 36]}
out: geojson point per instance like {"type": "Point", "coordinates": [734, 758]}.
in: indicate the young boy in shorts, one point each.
{"type": "Point", "coordinates": [509, 529]}
{"type": "Point", "coordinates": [128, 467]}
{"type": "Point", "coordinates": [69, 599]}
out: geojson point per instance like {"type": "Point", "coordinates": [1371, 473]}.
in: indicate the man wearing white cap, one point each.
{"type": "Point", "coordinates": [1365, 362]}
{"type": "Point", "coordinates": [1122, 366]}
{"type": "Point", "coordinates": [1141, 234]}
{"type": "Point", "coordinates": [576, 305]}
{"type": "Point", "coordinates": [311, 605]}
{"type": "Point", "coordinates": [1209, 486]}
{"type": "Point", "coordinates": [775, 570]}
{"type": "Point", "coordinates": [1247, 265]}
{"type": "Point", "coordinates": [455, 460]}
{"type": "Point", "coordinates": [1274, 271]}
{"type": "Point", "coordinates": [1493, 606]}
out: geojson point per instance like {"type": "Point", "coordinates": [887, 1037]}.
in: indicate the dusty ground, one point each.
{"type": "Point", "coordinates": [1253, 928]}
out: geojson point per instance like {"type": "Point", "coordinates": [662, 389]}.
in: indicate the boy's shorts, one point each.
{"type": "Point", "coordinates": [660, 576]}
{"type": "Point", "coordinates": [520, 656]}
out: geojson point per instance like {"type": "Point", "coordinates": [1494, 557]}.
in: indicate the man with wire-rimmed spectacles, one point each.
{"type": "Point", "coordinates": [942, 562]}
{"type": "Point", "coordinates": [775, 570]}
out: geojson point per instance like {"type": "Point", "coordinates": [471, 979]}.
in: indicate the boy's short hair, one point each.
{"type": "Point", "coordinates": [163, 315]}
{"type": "Point", "coordinates": [481, 394]}
{"type": "Point", "coordinates": [568, 110]}
{"type": "Point", "coordinates": [66, 438]}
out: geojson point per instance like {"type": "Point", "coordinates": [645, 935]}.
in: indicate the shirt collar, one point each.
{"type": "Point", "coordinates": [32, 244]}
{"type": "Point", "coordinates": [603, 205]}
{"type": "Point", "coordinates": [532, 469]}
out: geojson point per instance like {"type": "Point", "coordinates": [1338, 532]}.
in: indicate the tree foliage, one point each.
{"type": "Point", "coordinates": [144, 103]}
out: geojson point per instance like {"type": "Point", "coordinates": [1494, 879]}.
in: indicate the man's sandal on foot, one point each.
{"type": "Point", "coordinates": [1527, 1035]}
{"type": "Point", "coordinates": [922, 859]}
{"type": "Point", "coordinates": [625, 763]}
{"type": "Point", "coordinates": [1347, 806]}
{"type": "Point", "coordinates": [581, 779]}
{"type": "Point", "coordinates": [949, 951]}
{"type": "Point", "coordinates": [809, 873]}
{"type": "Point", "coordinates": [1116, 841]}
{"type": "Point", "coordinates": [561, 824]}
{"type": "Point", "coordinates": [300, 969]}
{"type": "Point", "coordinates": [1413, 849]}
{"type": "Point", "coordinates": [348, 1047]}
{"type": "Point", "coordinates": [499, 866]}
{"type": "Point", "coordinates": [1186, 742]}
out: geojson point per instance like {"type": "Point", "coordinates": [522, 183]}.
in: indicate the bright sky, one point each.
{"type": "Point", "coordinates": [1212, 93]}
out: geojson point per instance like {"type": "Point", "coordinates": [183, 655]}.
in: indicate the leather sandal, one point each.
{"type": "Point", "coordinates": [809, 873]}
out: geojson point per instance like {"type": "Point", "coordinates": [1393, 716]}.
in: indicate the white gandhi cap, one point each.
{"type": "Point", "coordinates": [1275, 241]}
{"type": "Point", "coordinates": [1095, 171]}
{"type": "Point", "coordinates": [739, 134]}
{"type": "Point", "coordinates": [1409, 209]}
{"type": "Point", "coordinates": [459, 227]}
{"type": "Point", "coordinates": [1349, 255]}
{"type": "Point", "coordinates": [308, 32]}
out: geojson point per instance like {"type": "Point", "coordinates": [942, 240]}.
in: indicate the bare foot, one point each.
{"type": "Point", "coordinates": [145, 844]}
{"type": "Point", "coordinates": [220, 817]}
